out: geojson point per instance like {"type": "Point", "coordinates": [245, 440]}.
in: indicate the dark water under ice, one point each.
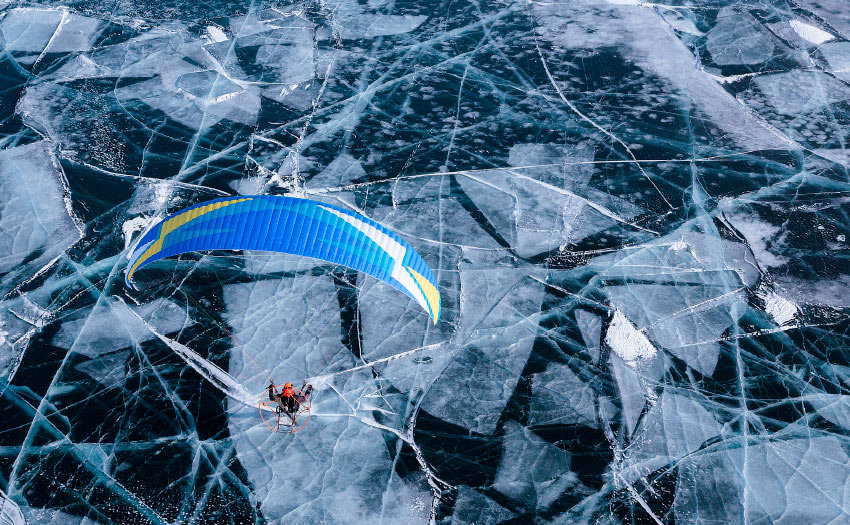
{"type": "Point", "coordinates": [637, 212]}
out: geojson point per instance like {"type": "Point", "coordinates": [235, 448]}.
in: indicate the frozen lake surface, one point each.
{"type": "Point", "coordinates": [638, 214]}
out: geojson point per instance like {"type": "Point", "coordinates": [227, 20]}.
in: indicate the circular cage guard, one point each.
{"type": "Point", "coordinates": [301, 413]}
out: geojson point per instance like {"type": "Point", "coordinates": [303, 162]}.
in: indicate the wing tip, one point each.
{"type": "Point", "coordinates": [128, 280]}
{"type": "Point", "coordinates": [439, 302]}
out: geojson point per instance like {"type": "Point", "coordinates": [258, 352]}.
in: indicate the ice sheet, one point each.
{"type": "Point", "coordinates": [637, 214]}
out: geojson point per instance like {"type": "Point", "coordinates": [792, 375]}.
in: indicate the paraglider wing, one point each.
{"type": "Point", "coordinates": [295, 226]}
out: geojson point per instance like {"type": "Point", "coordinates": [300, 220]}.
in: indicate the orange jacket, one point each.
{"type": "Point", "coordinates": [287, 392]}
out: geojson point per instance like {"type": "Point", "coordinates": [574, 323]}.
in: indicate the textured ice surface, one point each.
{"type": "Point", "coordinates": [36, 224]}
{"type": "Point", "coordinates": [637, 213]}
{"type": "Point", "coordinates": [111, 324]}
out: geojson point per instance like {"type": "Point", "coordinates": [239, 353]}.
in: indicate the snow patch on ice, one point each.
{"type": "Point", "coordinates": [679, 245]}
{"type": "Point", "coordinates": [813, 34]}
{"type": "Point", "coordinates": [627, 341]}
{"type": "Point", "coordinates": [134, 225]}
{"type": "Point", "coordinates": [762, 237]}
{"type": "Point", "coordinates": [779, 308]}
{"type": "Point", "coordinates": [215, 34]}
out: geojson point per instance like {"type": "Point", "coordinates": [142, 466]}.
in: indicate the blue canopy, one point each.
{"type": "Point", "coordinates": [295, 226]}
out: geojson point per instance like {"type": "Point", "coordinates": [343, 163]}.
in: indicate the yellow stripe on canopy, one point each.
{"type": "Point", "coordinates": [175, 222]}
{"type": "Point", "coordinates": [432, 295]}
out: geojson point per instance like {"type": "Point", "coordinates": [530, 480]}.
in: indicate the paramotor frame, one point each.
{"type": "Point", "coordinates": [298, 419]}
